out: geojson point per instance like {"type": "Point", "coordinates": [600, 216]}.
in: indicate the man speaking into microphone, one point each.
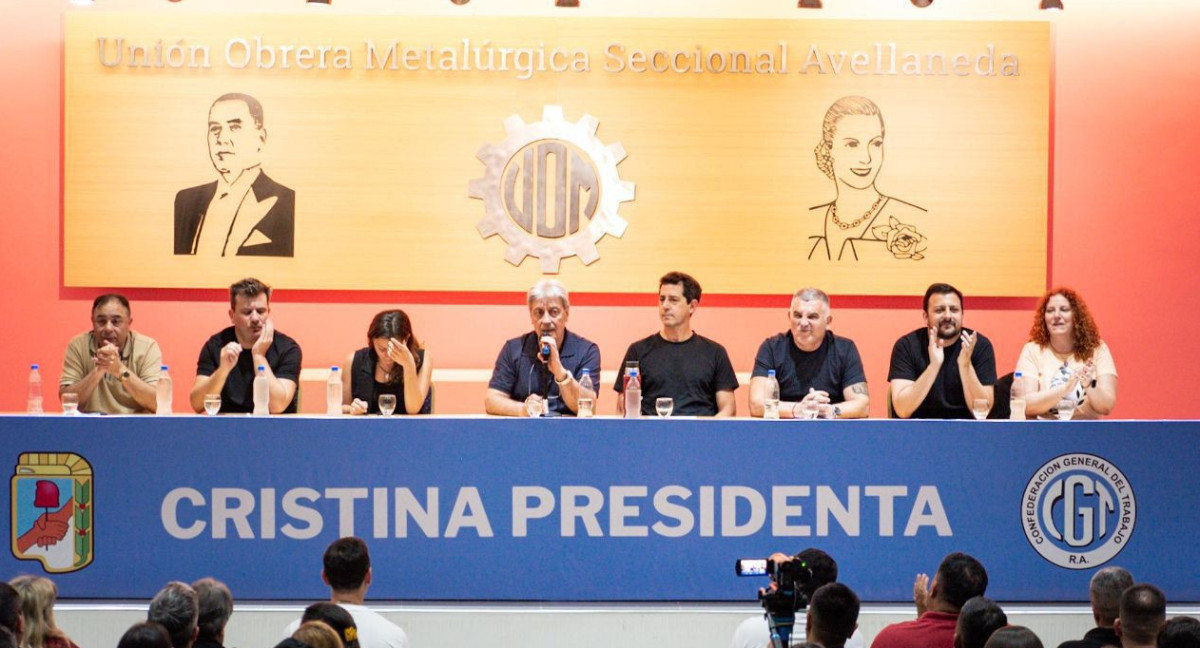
{"type": "Point", "coordinates": [538, 373]}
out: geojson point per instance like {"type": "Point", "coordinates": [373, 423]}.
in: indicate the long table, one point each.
{"type": "Point", "coordinates": [594, 510]}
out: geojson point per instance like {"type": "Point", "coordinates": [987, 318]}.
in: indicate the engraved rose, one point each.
{"type": "Point", "coordinates": [903, 241]}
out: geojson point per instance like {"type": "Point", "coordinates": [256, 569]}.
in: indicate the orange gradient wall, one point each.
{"type": "Point", "coordinates": [1125, 210]}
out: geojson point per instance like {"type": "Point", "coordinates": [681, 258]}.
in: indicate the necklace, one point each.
{"type": "Point", "coordinates": [858, 221]}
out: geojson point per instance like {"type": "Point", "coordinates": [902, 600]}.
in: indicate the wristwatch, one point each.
{"type": "Point", "coordinates": [566, 378]}
{"type": "Point", "coordinates": [125, 375]}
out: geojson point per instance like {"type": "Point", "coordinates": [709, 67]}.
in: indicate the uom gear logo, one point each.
{"type": "Point", "coordinates": [51, 510]}
{"type": "Point", "coordinates": [551, 189]}
{"type": "Point", "coordinates": [1078, 510]}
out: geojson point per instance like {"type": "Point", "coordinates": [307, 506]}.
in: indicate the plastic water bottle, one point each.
{"type": "Point", "coordinates": [33, 402]}
{"type": "Point", "coordinates": [262, 392]}
{"type": "Point", "coordinates": [633, 395]}
{"type": "Point", "coordinates": [1016, 399]}
{"type": "Point", "coordinates": [771, 397]}
{"type": "Point", "coordinates": [587, 404]}
{"type": "Point", "coordinates": [164, 391]}
{"type": "Point", "coordinates": [333, 392]}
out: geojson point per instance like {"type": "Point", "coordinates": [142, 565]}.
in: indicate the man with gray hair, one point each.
{"type": "Point", "coordinates": [545, 364]}
{"type": "Point", "coordinates": [819, 373]}
{"type": "Point", "coordinates": [1105, 593]}
{"type": "Point", "coordinates": [175, 608]}
{"type": "Point", "coordinates": [216, 606]}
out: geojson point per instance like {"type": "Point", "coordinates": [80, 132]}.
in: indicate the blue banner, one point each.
{"type": "Point", "coordinates": [594, 510]}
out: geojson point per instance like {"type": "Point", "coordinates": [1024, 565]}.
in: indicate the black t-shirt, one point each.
{"type": "Point", "coordinates": [691, 372]}
{"type": "Point", "coordinates": [945, 400]}
{"type": "Point", "coordinates": [833, 367]}
{"type": "Point", "coordinates": [363, 385]}
{"type": "Point", "coordinates": [283, 356]}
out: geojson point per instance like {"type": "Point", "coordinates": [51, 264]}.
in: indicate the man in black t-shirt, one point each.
{"type": "Point", "coordinates": [937, 372]}
{"type": "Point", "coordinates": [229, 359]}
{"type": "Point", "coordinates": [677, 362]}
{"type": "Point", "coordinates": [814, 367]}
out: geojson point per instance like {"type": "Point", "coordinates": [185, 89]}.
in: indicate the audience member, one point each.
{"type": "Point", "coordinates": [216, 606]}
{"type": "Point", "coordinates": [958, 579]}
{"type": "Point", "coordinates": [1014, 637]}
{"type": "Point", "coordinates": [336, 617]}
{"type": "Point", "coordinates": [832, 616]}
{"type": "Point", "coordinates": [524, 376]}
{"type": "Point", "coordinates": [679, 363]}
{"type": "Point", "coordinates": [1104, 591]}
{"type": "Point", "coordinates": [112, 369]}
{"type": "Point", "coordinates": [347, 572]}
{"type": "Point", "coordinates": [815, 368]}
{"type": "Point", "coordinates": [393, 362]}
{"type": "Point", "coordinates": [318, 635]}
{"type": "Point", "coordinates": [229, 359]}
{"type": "Point", "coordinates": [1180, 632]}
{"type": "Point", "coordinates": [175, 607]}
{"type": "Point", "coordinates": [38, 595]}
{"type": "Point", "coordinates": [146, 634]}
{"type": "Point", "coordinates": [7, 638]}
{"type": "Point", "coordinates": [979, 618]}
{"type": "Point", "coordinates": [10, 611]}
{"type": "Point", "coordinates": [1143, 613]}
{"type": "Point", "coordinates": [938, 371]}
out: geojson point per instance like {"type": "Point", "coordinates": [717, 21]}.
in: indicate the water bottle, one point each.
{"type": "Point", "coordinates": [771, 397]}
{"type": "Point", "coordinates": [262, 392]}
{"type": "Point", "coordinates": [333, 393]}
{"type": "Point", "coordinates": [587, 402]}
{"type": "Point", "coordinates": [164, 391]}
{"type": "Point", "coordinates": [633, 395]}
{"type": "Point", "coordinates": [1016, 399]}
{"type": "Point", "coordinates": [33, 403]}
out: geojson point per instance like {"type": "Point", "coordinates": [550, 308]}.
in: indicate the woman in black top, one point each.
{"type": "Point", "coordinates": [393, 362]}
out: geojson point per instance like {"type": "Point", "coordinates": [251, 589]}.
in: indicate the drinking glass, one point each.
{"type": "Point", "coordinates": [1066, 409]}
{"type": "Point", "coordinates": [533, 406]}
{"type": "Point", "coordinates": [809, 410]}
{"type": "Point", "coordinates": [586, 407]}
{"type": "Point", "coordinates": [212, 404]}
{"type": "Point", "coordinates": [980, 408]}
{"type": "Point", "coordinates": [387, 404]}
{"type": "Point", "coordinates": [70, 404]}
{"type": "Point", "coordinates": [664, 406]}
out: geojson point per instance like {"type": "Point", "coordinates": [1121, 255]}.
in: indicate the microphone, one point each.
{"type": "Point", "coordinates": [544, 352]}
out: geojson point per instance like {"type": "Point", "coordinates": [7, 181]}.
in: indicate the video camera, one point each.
{"type": "Point", "coordinates": [785, 598]}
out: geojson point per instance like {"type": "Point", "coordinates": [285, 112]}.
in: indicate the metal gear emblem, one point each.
{"type": "Point", "coordinates": [551, 189]}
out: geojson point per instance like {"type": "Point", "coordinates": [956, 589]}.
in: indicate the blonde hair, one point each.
{"type": "Point", "coordinates": [318, 634]}
{"type": "Point", "coordinates": [37, 607]}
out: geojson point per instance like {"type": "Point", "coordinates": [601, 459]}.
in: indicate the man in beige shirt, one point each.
{"type": "Point", "coordinates": [112, 369]}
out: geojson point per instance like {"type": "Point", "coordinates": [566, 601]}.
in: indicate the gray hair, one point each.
{"type": "Point", "coordinates": [216, 606]}
{"type": "Point", "coordinates": [175, 608]}
{"type": "Point", "coordinates": [811, 294]}
{"type": "Point", "coordinates": [548, 289]}
{"type": "Point", "coordinates": [1105, 591]}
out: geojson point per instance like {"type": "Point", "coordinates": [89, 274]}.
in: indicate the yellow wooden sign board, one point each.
{"type": "Point", "coordinates": [475, 154]}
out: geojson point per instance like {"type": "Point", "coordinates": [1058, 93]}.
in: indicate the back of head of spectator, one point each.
{"type": "Point", "coordinates": [977, 620]}
{"type": "Point", "coordinates": [37, 609]}
{"type": "Point", "coordinates": [317, 634]}
{"type": "Point", "coordinates": [1014, 637]}
{"type": "Point", "coordinates": [10, 611]}
{"type": "Point", "coordinates": [216, 606]}
{"type": "Point", "coordinates": [175, 607]}
{"type": "Point", "coordinates": [1180, 632]}
{"type": "Point", "coordinates": [832, 615]}
{"type": "Point", "coordinates": [146, 634]}
{"type": "Point", "coordinates": [1105, 593]}
{"type": "Point", "coordinates": [1143, 613]}
{"type": "Point", "coordinates": [336, 617]}
{"type": "Point", "coordinates": [959, 578]}
{"type": "Point", "coordinates": [347, 565]}
{"type": "Point", "coordinates": [823, 567]}
{"type": "Point", "coordinates": [7, 638]}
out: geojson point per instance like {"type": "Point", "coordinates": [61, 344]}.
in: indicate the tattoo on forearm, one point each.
{"type": "Point", "coordinates": [860, 388]}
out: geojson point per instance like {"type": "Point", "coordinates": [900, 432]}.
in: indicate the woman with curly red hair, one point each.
{"type": "Point", "coordinates": [1065, 359]}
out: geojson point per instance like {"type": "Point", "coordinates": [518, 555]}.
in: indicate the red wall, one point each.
{"type": "Point", "coordinates": [1126, 208]}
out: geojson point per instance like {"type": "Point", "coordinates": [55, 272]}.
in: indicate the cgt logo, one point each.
{"type": "Point", "coordinates": [1078, 511]}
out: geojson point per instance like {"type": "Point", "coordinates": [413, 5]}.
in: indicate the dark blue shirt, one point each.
{"type": "Point", "coordinates": [519, 372]}
{"type": "Point", "coordinates": [831, 368]}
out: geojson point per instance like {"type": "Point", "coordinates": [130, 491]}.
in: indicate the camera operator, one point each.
{"type": "Point", "coordinates": [755, 631]}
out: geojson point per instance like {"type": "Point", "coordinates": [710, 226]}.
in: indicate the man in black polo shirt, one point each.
{"type": "Point", "coordinates": [229, 359]}
{"type": "Point", "coordinates": [937, 372]}
{"type": "Point", "coordinates": [677, 362]}
{"type": "Point", "coordinates": [813, 366]}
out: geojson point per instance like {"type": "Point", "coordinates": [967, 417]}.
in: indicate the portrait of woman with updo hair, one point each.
{"type": "Point", "coordinates": [860, 219]}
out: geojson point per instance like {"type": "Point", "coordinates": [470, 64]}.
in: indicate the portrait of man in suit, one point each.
{"type": "Point", "coordinates": [244, 212]}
